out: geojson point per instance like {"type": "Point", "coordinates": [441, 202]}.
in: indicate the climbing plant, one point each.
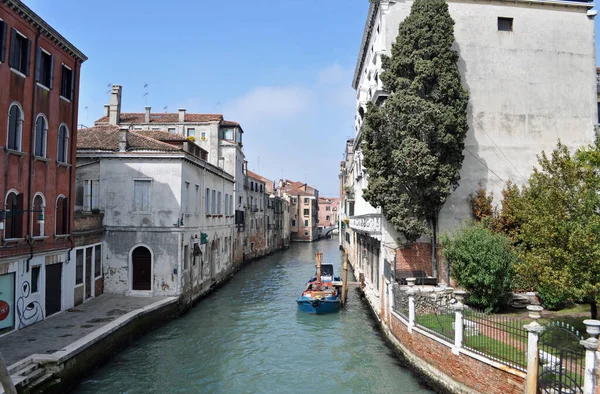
{"type": "Point", "coordinates": [413, 143]}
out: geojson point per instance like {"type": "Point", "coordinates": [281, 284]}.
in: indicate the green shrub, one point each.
{"type": "Point", "coordinates": [481, 262]}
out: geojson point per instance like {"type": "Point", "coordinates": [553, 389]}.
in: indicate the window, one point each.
{"type": "Point", "coordinates": [203, 135]}
{"type": "Point", "coordinates": [230, 205]}
{"type": "Point", "coordinates": [91, 190]}
{"type": "Point", "coordinates": [44, 69]}
{"type": "Point", "coordinates": [141, 193]}
{"type": "Point", "coordinates": [306, 223]}
{"type": "Point", "coordinates": [505, 24]}
{"type": "Point", "coordinates": [229, 134]}
{"type": "Point", "coordinates": [239, 136]}
{"type": "Point", "coordinates": [186, 257]}
{"type": "Point", "coordinates": [63, 143]}
{"type": "Point", "coordinates": [61, 216]}
{"type": "Point", "coordinates": [306, 212]}
{"type": "Point", "coordinates": [351, 208]}
{"type": "Point", "coordinates": [328, 208]}
{"type": "Point", "coordinates": [38, 208]}
{"type": "Point", "coordinates": [79, 266]}
{"type": "Point", "coordinates": [67, 83]}
{"type": "Point", "coordinates": [327, 217]}
{"type": "Point", "coordinates": [251, 186]}
{"type": "Point", "coordinates": [20, 48]}
{"type": "Point", "coordinates": [172, 130]}
{"type": "Point", "coordinates": [41, 133]}
{"type": "Point", "coordinates": [306, 200]}
{"type": "Point", "coordinates": [185, 198]}
{"type": "Point", "coordinates": [306, 233]}
{"type": "Point", "coordinates": [219, 204]}
{"type": "Point", "coordinates": [35, 279]}
{"type": "Point", "coordinates": [98, 261]}
{"type": "Point", "coordinates": [191, 132]}
{"type": "Point", "coordinates": [3, 28]}
{"type": "Point", "coordinates": [197, 201]}
{"type": "Point", "coordinates": [15, 127]}
{"type": "Point", "coordinates": [207, 202]}
{"type": "Point", "coordinates": [261, 188]}
{"type": "Point", "coordinates": [294, 200]}
{"type": "Point", "coordinates": [227, 204]}
{"type": "Point", "coordinates": [13, 226]}
{"type": "Point", "coordinates": [213, 207]}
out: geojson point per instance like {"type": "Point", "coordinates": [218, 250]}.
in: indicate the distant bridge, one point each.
{"type": "Point", "coordinates": [326, 230]}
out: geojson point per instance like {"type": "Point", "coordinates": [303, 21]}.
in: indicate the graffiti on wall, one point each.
{"type": "Point", "coordinates": [28, 313]}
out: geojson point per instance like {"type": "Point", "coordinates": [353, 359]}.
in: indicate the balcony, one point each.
{"type": "Point", "coordinates": [370, 223]}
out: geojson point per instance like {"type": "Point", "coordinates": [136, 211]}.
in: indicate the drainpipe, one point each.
{"type": "Point", "coordinates": [73, 147]}
{"type": "Point", "coordinates": [31, 144]}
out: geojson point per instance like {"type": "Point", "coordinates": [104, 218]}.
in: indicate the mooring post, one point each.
{"type": "Point", "coordinates": [591, 346]}
{"type": "Point", "coordinates": [5, 379]}
{"type": "Point", "coordinates": [458, 307]}
{"type": "Point", "coordinates": [411, 302]}
{"type": "Point", "coordinates": [319, 254]}
{"type": "Point", "coordinates": [534, 330]}
{"type": "Point", "coordinates": [345, 279]}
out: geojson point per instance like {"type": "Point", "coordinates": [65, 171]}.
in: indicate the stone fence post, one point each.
{"type": "Point", "coordinates": [411, 303]}
{"type": "Point", "coordinates": [534, 330]}
{"type": "Point", "coordinates": [458, 307]}
{"type": "Point", "coordinates": [591, 346]}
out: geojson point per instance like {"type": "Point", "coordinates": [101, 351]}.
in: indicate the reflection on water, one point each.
{"type": "Point", "coordinates": [248, 337]}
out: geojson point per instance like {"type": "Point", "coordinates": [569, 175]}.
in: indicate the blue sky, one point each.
{"type": "Point", "coordinates": [283, 69]}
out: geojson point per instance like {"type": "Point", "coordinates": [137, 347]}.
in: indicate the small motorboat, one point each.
{"type": "Point", "coordinates": [322, 293]}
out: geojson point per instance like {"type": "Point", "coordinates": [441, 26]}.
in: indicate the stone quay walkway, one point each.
{"type": "Point", "coordinates": [58, 331]}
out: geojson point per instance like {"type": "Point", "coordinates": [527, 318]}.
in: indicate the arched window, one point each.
{"type": "Point", "coordinates": [41, 133]}
{"type": "Point", "coordinates": [61, 215]}
{"type": "Point", "coordinates": [15, 127]}
{"type": "Point", "coordinates": [63, 143]}
{"type": "Point", "coordinates": [13, 224]}
{"type": "Point", "coordinates": [37, 217]}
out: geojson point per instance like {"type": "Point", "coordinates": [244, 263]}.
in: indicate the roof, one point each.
{"type": "Point", "coordinates": [35, 20]}
{"type": "Point", "coordinates": [269, 184]}
{"type": "Point", "coordinates": [106, 138]}
{"type": "Point", "coordinates": [255, 176]}
{"type": "Point", "coordinates": [140, 118]}
{"type": "Point", "coordinates": [362, 54]}
{"type": "Point", "coordinates": [162, 135]}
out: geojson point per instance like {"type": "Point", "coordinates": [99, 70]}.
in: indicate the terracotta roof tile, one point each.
{"type": "Point", "coordinates": [106, 138]}
{"type": "Point", "coordinates": [140, 118]}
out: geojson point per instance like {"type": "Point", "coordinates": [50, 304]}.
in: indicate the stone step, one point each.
{"type": "Point", "coordinates": [12, 369]}
{"type": "Point", "coordinates": [29, 369]}
{"type": "Point", "coordinates": [32, 376]}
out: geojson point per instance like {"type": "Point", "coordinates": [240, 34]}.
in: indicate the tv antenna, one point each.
{"type": "Point", "coordinates": [145, 95]}
{"type": "Point", "coordinates": [108, 88]}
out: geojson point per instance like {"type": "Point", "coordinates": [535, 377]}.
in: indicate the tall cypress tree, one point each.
{"type": "Point", "coordinates": [413, 143]}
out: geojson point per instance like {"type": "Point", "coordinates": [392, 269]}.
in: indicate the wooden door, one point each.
{"type": "Point", "coordinates": [88, 272]}
{"type": "Point", "coordinates": [53, 288]}
{"type": "Point", "coordinates": [141, 261]}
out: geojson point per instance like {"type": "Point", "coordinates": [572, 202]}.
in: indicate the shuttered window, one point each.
{"type": "Point", "coordinates": [61, 217]}
{"type": "Point", "coordinates": [142, 195]}
{"type": "Point", "coordinates": [3, 40]}
{"type": "Point", "coordinates": [14, 220]}
{"type": "Point", "coordinates": [67, 83]}
{"type": "Point", "coordinates": [44, 69]}
{"type": "Point", "coordinates": [20, 52]}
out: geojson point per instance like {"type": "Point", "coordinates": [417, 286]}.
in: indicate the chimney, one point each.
{"type": "Point", "coordinates": [106, 110]}
{"type": "Point", "coordinates": [123, 138]}
{"type": "Point", "coordinates": [148, 114]}
{"type": "Point", "coordinates": [181, 115]}
{"type": "Point", "coordinates": [115, 105]}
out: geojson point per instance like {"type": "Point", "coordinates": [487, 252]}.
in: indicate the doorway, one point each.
{"type": "Point", "coordinates": [141, 262]}
{"type": "Point", "coordinates": [53, 289]}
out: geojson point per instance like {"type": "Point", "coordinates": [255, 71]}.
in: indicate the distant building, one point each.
{"type": "Point", "coordinates": [328, 215]}
{"type": "Point", "coordinates": [39, 97]}
{"type": "Point", "coordinates": [304, 210]}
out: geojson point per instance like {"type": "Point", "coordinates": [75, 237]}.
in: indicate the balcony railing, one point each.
{"type": "Point", "coordinates": [370, 223]}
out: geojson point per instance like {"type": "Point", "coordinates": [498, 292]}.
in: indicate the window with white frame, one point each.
{"type": "Point", "coordinates": [63, 144]}
{"type": "Point", "coordinates": [207, 202]}
{"type": "Point", "coordinates": [15, 127]}
{"type": "Point", "coordinates": [37, 216]}
{"type": "Point", "coordinates": [213, 207]}
{"type": "Point", "coordinates": [67, 83]}
{"type": "Point", "coordinates": [35, 279]}
{"type": "Point", "coordinates": [41, 133]}
{"type": "Point", "coordinates": [97, 261]}
{"type": "Point", "coordinates": [197, 201]}
{"type": "Point", "coordinates": [91, 190]}
{"type": "Point", "coordinates": [79, 266]}
{"type": "Point", "coordinates": [191, 132]}
{"type": "Point", "coordinates": [141, 192]}
{"type": "Point", "coordinates": [219, 212]}
{"type": "Point", "coordinates": [13, 224]}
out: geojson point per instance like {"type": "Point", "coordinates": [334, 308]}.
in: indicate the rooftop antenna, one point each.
{"type": "Point", "coordinates": [146, 93]}
{"type": "Point", "coordinates": [86, 115]}
{"type": "Point", "coordinates": [166, 109]}
{"type": "Point", "coordinates": [108, 88]}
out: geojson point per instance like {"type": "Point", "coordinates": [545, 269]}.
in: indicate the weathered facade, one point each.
{"type": "Point", "coordinates": [304, 210]}
{"type": "Point", "coordinates": [513, 113]}
{"type": "Point", "coordinates": [39, 95]}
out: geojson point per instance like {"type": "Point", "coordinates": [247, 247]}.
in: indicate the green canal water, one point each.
{"type": "Point", "coordinates": [248, 337]}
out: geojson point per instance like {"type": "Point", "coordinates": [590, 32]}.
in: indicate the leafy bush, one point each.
{"type": "Point", "coordinates": [481, 262]}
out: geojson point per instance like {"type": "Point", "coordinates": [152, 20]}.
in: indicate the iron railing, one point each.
{"type": "Point", "coordinates": [498, 337]}
{"type": "Point", "coordinates": [434, 314]}
{"type": "Point", "coordinates": [400, 302]}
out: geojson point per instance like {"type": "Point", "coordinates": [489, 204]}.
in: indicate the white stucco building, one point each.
{"type": "Point", "coordinates": [529, 68]}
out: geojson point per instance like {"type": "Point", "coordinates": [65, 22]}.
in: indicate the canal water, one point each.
{"type": "Point", "coordinates": [248, 337]}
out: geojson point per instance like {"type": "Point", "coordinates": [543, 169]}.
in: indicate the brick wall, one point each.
{"type": "Point", "coordinates": [88, 221]}
{"type": "Point", "coordinates": [470, 372]}
{"type": "Point", "coordinates": [414, 258]}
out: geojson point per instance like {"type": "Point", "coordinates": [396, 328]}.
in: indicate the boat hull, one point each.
{"type": "Point", "coordinates": [319, 307]}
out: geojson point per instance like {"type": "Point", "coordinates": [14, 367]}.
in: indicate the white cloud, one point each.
{"type": "Point", "coordinates": [267, 102]}
{"type": "Point", "coordinates": [334, 75]}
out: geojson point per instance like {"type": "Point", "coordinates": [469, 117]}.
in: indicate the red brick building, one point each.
{"type": "Point", "coordinates": [39, 85]}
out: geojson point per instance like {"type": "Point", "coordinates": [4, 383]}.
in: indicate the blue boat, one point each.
{"type": "Point", "coordinates": [322, 293]}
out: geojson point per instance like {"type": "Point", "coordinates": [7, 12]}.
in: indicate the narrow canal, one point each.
{"type": "Point", "coordinates": [248, 337]}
